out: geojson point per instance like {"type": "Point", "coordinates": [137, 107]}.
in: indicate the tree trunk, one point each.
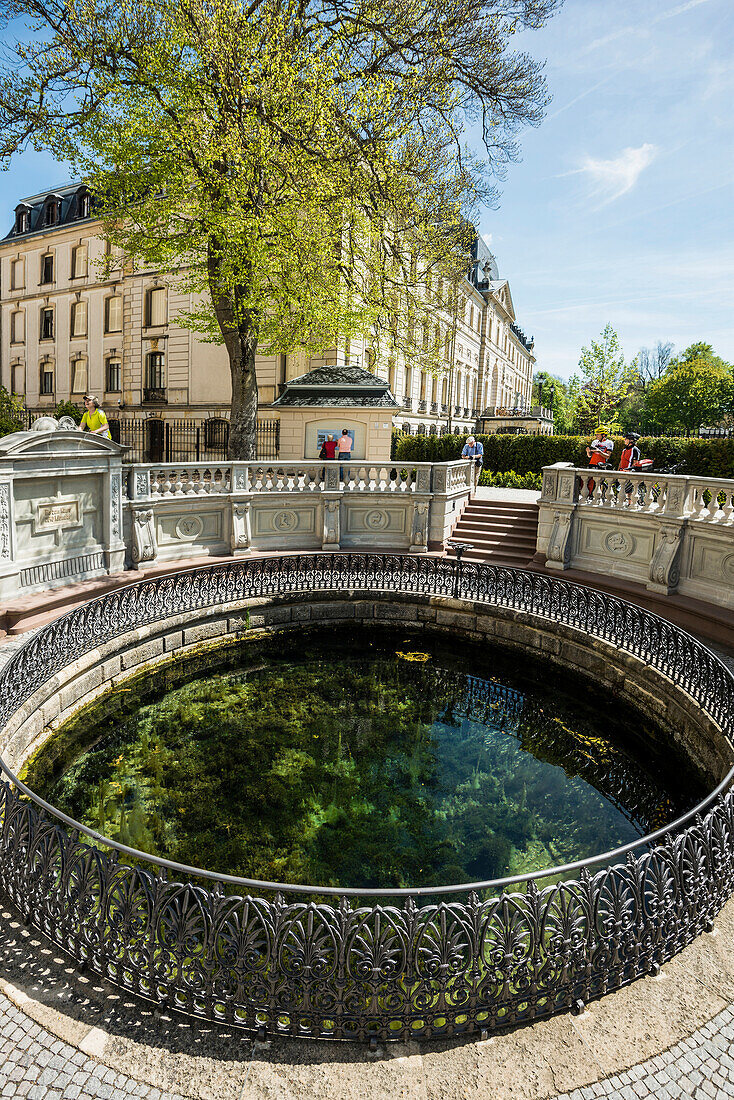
{"type": "Point", "coordinates": [240, 329]}
{"type": "Point", "coordinates": [241, 347]}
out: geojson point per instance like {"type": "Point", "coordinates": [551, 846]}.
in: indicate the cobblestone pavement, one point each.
{"type": "Point", "coordinates": [699, 1068]}
{"type": "Point", "coordinates": [36, 1065]}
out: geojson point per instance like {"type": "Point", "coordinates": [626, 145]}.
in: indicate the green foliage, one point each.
{"type": "Point", "coordinates": [68, 408]}
{"type": "Point", "coordinates": [550, 391]}
{"type": "Point", "coordinates": [11, 412]}
{"type": "Point", "coordinates": [604, 384]}
{"type": "Point", "coordinates": [510, 479]}
{"type": "Point", "coordinates": [692, 392]}
{"type": "Point", "coordinates": [289, 161]}
{"type": "Point", "coordinates": [528, 454]}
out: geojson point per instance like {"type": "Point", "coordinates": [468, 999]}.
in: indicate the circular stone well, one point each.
{"type": "Point", "coordinates": [340, 962]}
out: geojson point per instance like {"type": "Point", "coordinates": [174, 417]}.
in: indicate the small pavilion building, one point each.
{"type": "Point", "coordinates": [329, 399]}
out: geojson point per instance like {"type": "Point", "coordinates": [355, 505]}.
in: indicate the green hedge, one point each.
{"type": "Point", "coordinates": [528, 454]}
{"type": "Point", "coordinates": [510, 479]}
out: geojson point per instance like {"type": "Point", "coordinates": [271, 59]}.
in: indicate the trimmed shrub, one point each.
{"type": "Point", "coordinates": [528, 454]}
{"type": "Point", "coordinates": [68, 408]}
{"type": "Point", "coordinates": [510, 479]}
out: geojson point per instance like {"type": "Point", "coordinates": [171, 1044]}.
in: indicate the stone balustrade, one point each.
{"type": "Point", "coordinates": [70, 510]}
{"type": "Point", "coordinates": [180, 510]}
{"type": "Point", "coordinates": [206, 479]}
{"type": "Point", "coordinates": [671, 532]}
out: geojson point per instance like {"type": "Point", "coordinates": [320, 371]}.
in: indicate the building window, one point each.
{"type": "Point", "coordinates": [22, 220]}
{"type": "Point", "coordinates": [47, 268]}
{"type": "Point", "coordinates": [114, 375]}
{"type": "Point", "coordinates": [83, 204]}
{"type": "Point", "coordinates": [155, 306]}
{"type": "Point", "coordinates": [17, 275]}
{"type": "Point", "coordinates": [113, 314]}
{"type": "Point", "coordinates": [47, 378]}
{"type": "Point", "coordinates": [17, 378]}
{"type": "Point", "coordinates": [51, 213]}
{"type": "Point", "coordinates": [17, 327]}
{"type": "Point", "coordinates": [79, 261]}
{"type": "Point", "coordinates": [47, 324]}
{"type": "Point", "coordinates": [78, 376]}
{"type": "Point", "coordinates": [79, 319]}
{"type": "Point", "coordinates": [154, 376]}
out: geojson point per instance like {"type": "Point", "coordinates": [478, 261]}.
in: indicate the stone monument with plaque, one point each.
{"type": "Point", "coordinates": [60, 508]}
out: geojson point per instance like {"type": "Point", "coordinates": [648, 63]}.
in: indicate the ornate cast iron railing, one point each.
{"type": "Point", "coordinates": [368, 964]}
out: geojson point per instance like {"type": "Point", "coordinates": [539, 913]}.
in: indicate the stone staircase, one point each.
{"type": "Point", "coordinates": [502, 532]}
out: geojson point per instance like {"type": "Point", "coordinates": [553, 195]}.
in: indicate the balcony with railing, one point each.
{"type": "Point", "coordinates": [155, 396]}
{"type": "Point", "coordinates": [534, 411]}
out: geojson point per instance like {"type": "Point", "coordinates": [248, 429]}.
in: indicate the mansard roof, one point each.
{"type": "Point", "coordinates": [337, 387]}
{"type": "Point", "coordinates": [67, 197]}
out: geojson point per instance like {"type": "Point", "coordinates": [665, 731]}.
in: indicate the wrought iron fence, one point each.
{"type": "Point", "coordinates": [368, 964]}
{"type": "Point", "coordinates": [152, 439]}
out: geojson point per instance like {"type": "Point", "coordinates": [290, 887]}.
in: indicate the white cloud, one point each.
{"type": "Point", "coordinates": [610, 179]}
{"type": "Point", "coordinates": [635, 29]}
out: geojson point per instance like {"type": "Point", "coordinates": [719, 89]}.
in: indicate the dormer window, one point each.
{"type": "Point", "coordinates": [51, 212]}
{"type": "Point", "coordinates": [22, 219]}
{"type": "Point", "coordinates": [83, 204]}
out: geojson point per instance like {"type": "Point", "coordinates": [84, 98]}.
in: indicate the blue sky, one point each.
{"type": "Point", "coordinates": [622, 206]}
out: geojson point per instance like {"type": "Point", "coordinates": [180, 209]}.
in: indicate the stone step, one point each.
{"type": "Point", "coordinates": [503, 557]}
{"type": "Point", "coordinates": [482, 521]}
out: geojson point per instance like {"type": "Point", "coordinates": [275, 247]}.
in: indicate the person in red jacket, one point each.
{"type": "Point", "coordinates": [629, 458]}
{"type": "Point", "coordinates": [328, 448]}
{"type": "Point", "coordinates": [631, 453]}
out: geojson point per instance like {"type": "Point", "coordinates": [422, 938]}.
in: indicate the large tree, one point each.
{"type": "Point", "coordinates": [605, 380]}
{"type": "Point", "coordinates": [290, 158]}
{"type": "Point", "coordinates": [697, 389]}
{"type": "Point", "coordinates": [652, 363]}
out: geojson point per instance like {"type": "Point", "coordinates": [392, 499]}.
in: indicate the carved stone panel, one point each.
{"type": "Point", "coordinates": [269, 521]}
{"type": "Point", "coordinates": [619, 543]}
{"type": "Point", "coordinates": [5, 521]}
{"type": "Point", "coordinates": [116, 507]}
{"type": "Point", "coordinates": [144, 540]}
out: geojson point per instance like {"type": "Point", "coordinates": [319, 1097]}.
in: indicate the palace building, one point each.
{"type": "Point", "coordinates": [66, 330]}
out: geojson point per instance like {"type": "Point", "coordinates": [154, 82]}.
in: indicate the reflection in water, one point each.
{"type": "Point", "coordinates": [361, 760]}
